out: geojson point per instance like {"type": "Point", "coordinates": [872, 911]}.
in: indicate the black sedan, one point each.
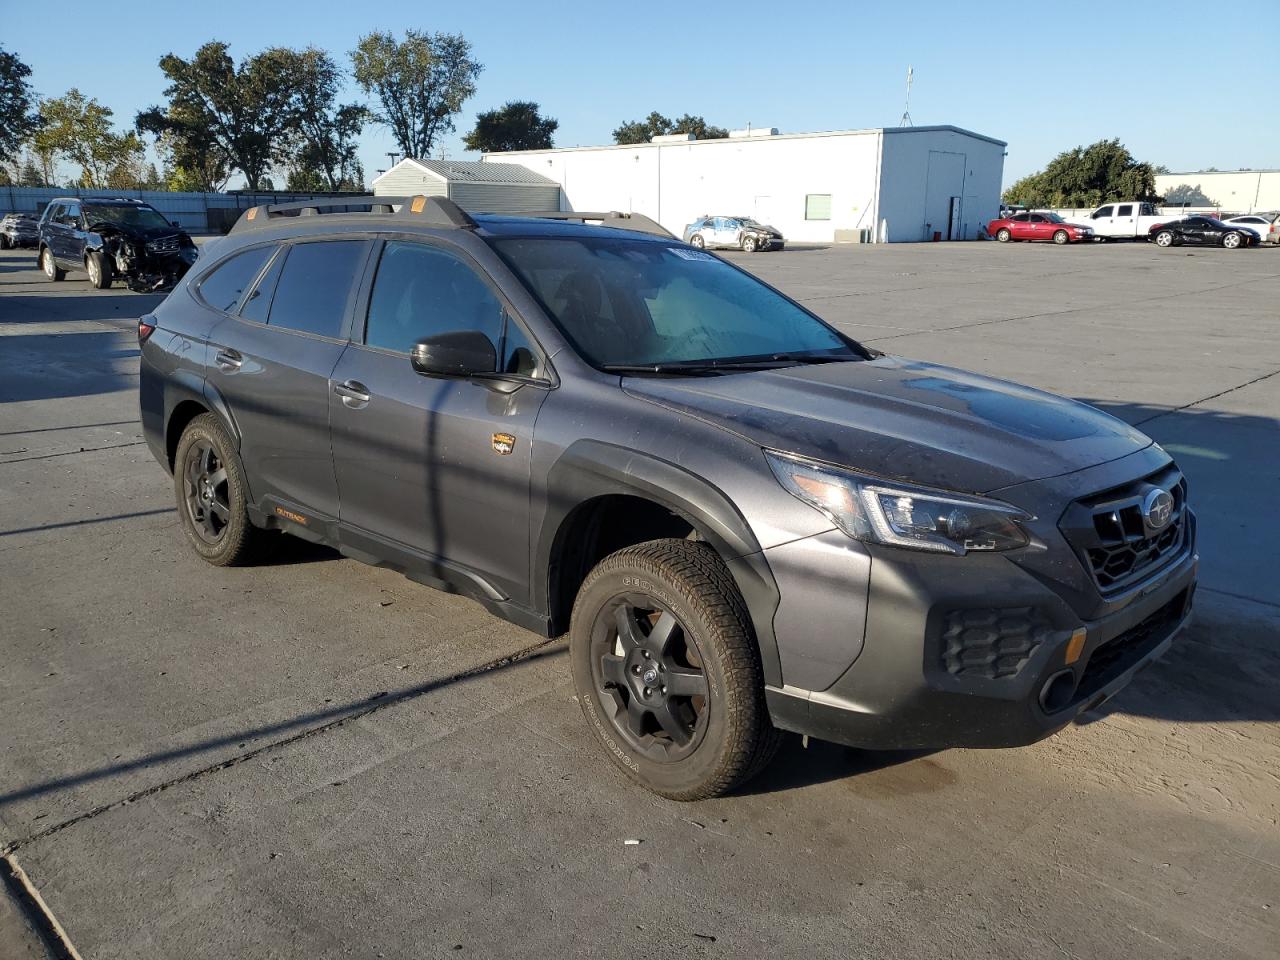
{"type": "Point", "coordinates": [18, 230]}
{"type": "Point", "coordinates": [1203, 231]}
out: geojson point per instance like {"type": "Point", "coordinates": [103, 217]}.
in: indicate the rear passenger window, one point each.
{"type": "Point", "coordinates": [421, 291]}
{"type": "Point", "coordinates": [258, 304]}
{"type": "Point", "coordinates": [1125, 211]}
{"type": "Point", "coordinates": [315, 284]}
{"type": "Point", "coordinates": [222, 287]}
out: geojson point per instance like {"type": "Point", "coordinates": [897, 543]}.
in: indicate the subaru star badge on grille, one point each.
{"type": "Point", "coordinates": [1157, 509]}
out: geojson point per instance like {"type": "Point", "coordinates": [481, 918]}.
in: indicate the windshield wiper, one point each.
{"type": "Point", "coordinates": [697, 367]}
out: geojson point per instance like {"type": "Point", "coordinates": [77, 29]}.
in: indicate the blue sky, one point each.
{"type": "Point", "coordinates": [1189, 85]}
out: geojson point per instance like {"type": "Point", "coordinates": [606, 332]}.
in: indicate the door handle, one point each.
{"type": "Point", "coordinates": [354, 394]}
{"type": "Point", "coordinates": [229, 360]}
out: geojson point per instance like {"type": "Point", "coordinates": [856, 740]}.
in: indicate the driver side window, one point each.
{"type": "Point", "coordinates": [421, 291]}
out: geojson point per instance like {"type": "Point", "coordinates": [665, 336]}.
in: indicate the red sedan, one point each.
{"type": "Point", "coordinates": [1037, 226]}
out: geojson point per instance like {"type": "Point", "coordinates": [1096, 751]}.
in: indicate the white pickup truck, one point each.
{"type": "Point", "coordinates": [1127, 219]}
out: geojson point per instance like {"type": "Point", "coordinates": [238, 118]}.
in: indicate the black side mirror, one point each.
{"type": "Point", "coordinates": [461, 353]}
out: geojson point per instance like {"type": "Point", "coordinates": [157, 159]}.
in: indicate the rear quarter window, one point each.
{"type": "Point", "coordinates": [222, 287]}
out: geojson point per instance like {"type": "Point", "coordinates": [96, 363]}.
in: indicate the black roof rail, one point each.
{"type": "Point", "coordinates": [431, 211]}
{"type": "Point", "coordinates": [613, 218]}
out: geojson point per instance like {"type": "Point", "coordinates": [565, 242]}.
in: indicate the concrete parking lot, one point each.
{"type": "Point", "coordinates": [316, 758]}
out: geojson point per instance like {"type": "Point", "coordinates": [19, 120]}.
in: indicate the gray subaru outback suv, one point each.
{"type": "Point", "coordinates": [746, 522]}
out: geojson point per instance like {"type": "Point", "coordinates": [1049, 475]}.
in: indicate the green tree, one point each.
{"type": "Point", "coordinates": [517, 125]}
{"type": "Point", "coordinates": [78, 128]}
{"type": "Point", "coordinates": [223, 115]}
{"type": "Point", "coordinates": [656, 125]}
{"type": "Point", "coordinates": [420, 83]}
{"type": "Point", "coordinates": [1087, 177]}
{"type": "Point", "coordinates": [323, 135]}
{"type": "Point", "coordinates": [18, 119]}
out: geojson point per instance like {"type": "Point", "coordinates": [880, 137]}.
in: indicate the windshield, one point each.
{"type": "Point", "coordinates": [124, 216]}
{"type": "Point", "coordinates": [624, 302]}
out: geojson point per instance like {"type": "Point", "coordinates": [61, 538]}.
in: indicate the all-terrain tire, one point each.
{"type": "Point", "coordinates": [688, 579]}
{"type": "Point", "coordinates": [238, 542]}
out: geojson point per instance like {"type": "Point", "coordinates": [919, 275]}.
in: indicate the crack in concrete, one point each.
{"type": "Point", "coordinates": [1212, 396]}
{"type": "Point", "coordinates": [73, 453]}
{"type": "Point", "coordinates": [376, 703]}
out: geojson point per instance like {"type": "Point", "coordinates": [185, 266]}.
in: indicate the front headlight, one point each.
{"type": "Point", "coordinates": [877, 511]}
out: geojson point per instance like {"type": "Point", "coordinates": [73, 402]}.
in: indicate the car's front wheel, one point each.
{"type": "Point", "coordinates": [99, 269]}
{"type": "Point", "coordinates": [1231, 241]}
{"type": "Point", "coordinates": [50, 266]}
{"type": "Point", "coordinates": [697, 241]}
{"type": "Point", "coordinates": [1003, 235]}
{"type": "Point", "coordinates": [668, 672]}
{"type": "Point", "coordinates": [4, 242]}
{"type": "Point", "coordinates": [213, 496]}
{"type": "Point", "coordinates": [1060, 237]}
{"type": "Point", "coordinates": [749, 244]}
{"type": "Point", "coordinates": [1164, 238]}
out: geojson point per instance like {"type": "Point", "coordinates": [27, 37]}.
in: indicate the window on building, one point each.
{"type": "Point", "coordinates": [817, 206]}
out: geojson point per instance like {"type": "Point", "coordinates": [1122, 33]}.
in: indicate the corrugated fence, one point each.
{"type": "Point", "coordinates": [196, 212]}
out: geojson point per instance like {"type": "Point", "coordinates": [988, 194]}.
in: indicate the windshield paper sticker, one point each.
{"type": "Point", "coordinates": [687, 254]}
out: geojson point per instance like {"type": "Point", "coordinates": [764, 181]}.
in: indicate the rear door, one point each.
{"type": "Point", "coordinates": [1020, 226]}
{"type": "Point", "coordinates": [271, 364]}
{"type": "Point", "coordinates": [1125, 222]}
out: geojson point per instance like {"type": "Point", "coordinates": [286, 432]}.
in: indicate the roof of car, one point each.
{"type": "Point", "coordinates": [498, 225]}
{"type": "Point", "coordinates": [103, 201]}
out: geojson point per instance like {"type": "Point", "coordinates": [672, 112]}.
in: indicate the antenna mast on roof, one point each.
{"type": "Point", "coordinates": [906, 110]}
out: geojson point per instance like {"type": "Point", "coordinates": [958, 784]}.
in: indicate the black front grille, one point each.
{"type": "Point", "coordinates": [1115, 540]}
{"type": "Point", "coordinates": [164, 245]}
{"type": "Point", "coordinates": [1120, 653]}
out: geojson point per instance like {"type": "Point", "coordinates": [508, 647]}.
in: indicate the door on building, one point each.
{"type": "Point", "coordinates": [955, 226]}
{"type": "Point", "coordinates": [943, 185]}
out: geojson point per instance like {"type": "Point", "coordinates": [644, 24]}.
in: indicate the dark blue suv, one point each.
{"type": "Point", "coordinates": [110, 237]}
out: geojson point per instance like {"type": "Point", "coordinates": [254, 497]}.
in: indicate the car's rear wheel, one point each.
{"type": "Point", "coordinates": [213, 496]}
{"type": "Point", "coordinates": [50, 266]}
{"type": "Point", "coordinates": [1231, 241]}
{"type": "Point", "coordinates": [1003, 235]}
{"type": "Point", "coordinates": [748, 244]}
{"type": "Point", "coordinates": [1060, 237]}
{"type": "Point", "coordinates": [99, 270]}
{"type": "Point", "coordinates": [1164, 238]}
{"type": "Point", "coordinates": [668, 672]}
{"type": "Point", "coordinates": [697, 241]}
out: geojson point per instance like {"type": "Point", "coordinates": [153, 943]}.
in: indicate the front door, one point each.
{"type": "Point", "coordinates": [437, 466]}
{"type": "Point", "coordinates": [1104, 221]}
{"type": "Point", "coordinates": [271, 364]}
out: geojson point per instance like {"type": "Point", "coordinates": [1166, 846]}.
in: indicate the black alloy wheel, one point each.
{"type": "Point", "coordinates": [204, 483]}
{"type": "Point", "coordinates": [649, 678]}
{"type": "Point", "coordinates": [212, 496]}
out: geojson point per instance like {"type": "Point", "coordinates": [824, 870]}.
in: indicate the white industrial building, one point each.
{"type": "Point", "coordinates": [889, 184]}
{"type": "Point", "coordinates": [1234, 191]}
{"type": "Point", "coordinates": [474, 186]}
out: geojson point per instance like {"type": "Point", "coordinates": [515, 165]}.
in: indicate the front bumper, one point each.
{"type": "Point", "coordinates": [976, 656]}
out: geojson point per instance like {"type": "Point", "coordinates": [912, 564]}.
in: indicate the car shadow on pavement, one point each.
{"type": "Point", "coordinates": [1226, 665]}
{"type": "Point", "coordinates": [798, 766]}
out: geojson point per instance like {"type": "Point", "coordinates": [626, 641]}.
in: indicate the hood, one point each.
{"type": "Point", "coordinates": [905, 420]}
{"type": "Point", "coordinates": [144, 234]}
